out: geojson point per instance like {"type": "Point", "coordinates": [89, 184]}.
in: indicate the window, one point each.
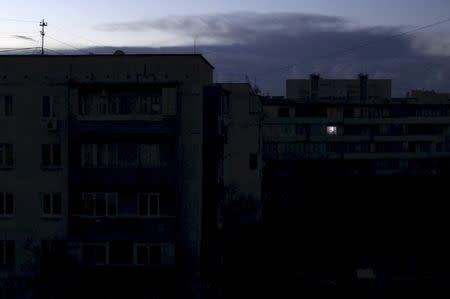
{"type": "Point", "coordinates": [7, 253]}
{"type": "Point", "coordinates": [94, 254]}
{"type": "Point", "coordinates": [125, 155]}
{"type": "Point", "coordinates": [121, 253]}
{"type": "Point", "coordinates": [53, 248]}
{"type": "Point", "coordinates": [283, 112]}
{"type": "Point", "coordinates": [300, 130]}
{"type": "Point", "coordinates": [254, 105]}
{"type": "Point", "coordinates": [150, 155]}
{"type": "Point", "coordinates": [6, 155]}
{"type": "Point", "coordinates": [6, 204]}
{"type": "Point", "coordinates": [51, 155]}
{"type": "Point", "coordinates": [154, 254]}
{"type": "Point", "coordinates": [225, 105]}
{"type": "Point", "coordinates": [99, 204]}
{"type": "Point", "coordinates": [127, 105]}
{"type": "Point", "coordinates": [51, 106]}
{"type": "Point", "coordinates": [6, 106]}
{"type": "Point", "coordinates": [253, 161]}
{"type": "Point", "coordinates": [331, 130]}
{"type": "Point", "coordinates": [51, 204]}
{"type": "Point", "coordinates": [148, 254]}
{"type": "Point", "coordinates": [156, 105]}
{"type": "Point", "coordinates": [148, 204]}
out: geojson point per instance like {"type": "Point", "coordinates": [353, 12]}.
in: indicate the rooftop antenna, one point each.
{"type": "Point", "coordinates": [43, 24]}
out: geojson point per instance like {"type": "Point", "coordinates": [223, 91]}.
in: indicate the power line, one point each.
{"type": "Point", "coordinates": [57, 52]}
{"type": "Point", "coordinates": [17, 49]}
{"type": "Point", "coordinates": [79, 36]}
{"type": "Point", "coordinates": [356, 47]}
{"type": "Point", "coordinates": [18, 20]}
{"type": "Point", "coordinates": [67, 44]}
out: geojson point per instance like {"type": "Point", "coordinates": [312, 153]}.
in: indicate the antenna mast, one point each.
{"type": "Point", "coordinates": [43, 24]}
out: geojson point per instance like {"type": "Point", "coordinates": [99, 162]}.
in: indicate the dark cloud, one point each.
{"type": "Point", "coordinates": [273, 47]}
{"type": "Point", "coordinates": [23, 37]}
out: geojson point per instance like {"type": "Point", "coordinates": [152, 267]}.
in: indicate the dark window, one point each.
{"type": "Point", "coordinates": [143, 206]}
{"type": "Point", "coordinates": [56, 154]}
{"type": "Point", "coordinates": [46, 155]}
{"type": "Point", "coordinates": [283, 112]}
{"type": "Point", "coordinates": [52, 204]}
{"type": "Point", "coordinates": [94, 254]}
{"type": "Point", "coordinates": [141, 254]}
{"type": "Point", "coordinates": [253, 161]}
{"type": "Point", "coordinates": [121, 253]}
{"type": "Point", "coordinates": [47, 203]}
{"type": "Point", "coordinates": [6, 155]}
{"type": "Point", "coordinates": [6, 204]}
{"type": "Point", "coordinates": [51, 155]}
{"type": "Point", "coordinates": [8, 106]}
{"type": "Point", "coordinates": [46, 108]}
{"type": "Point", "coordinates": [57, 204]}
{"type": "Point", "coordinates": [148, 204]}
{"type": "Point", "coordinates": [155, 105]}
{"type": "Point", "coordinates": [7, 253]}
{"type": "Point", "coordinates": [155, 254]}
{"type": "Point", "coordinates": [300, 130]}
{"type": "Point", "coordinates": [53, 248]}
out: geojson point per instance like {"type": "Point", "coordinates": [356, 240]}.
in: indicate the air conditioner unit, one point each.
{"type": "Point", "coordinates": [52, 125]}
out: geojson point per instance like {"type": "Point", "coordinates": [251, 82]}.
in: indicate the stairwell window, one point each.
{"type": "Point", "coordinates": [51, 204]}
{"type": "Point", "coordinates": [6, 155]}
{"type": "Point", "coordinates": [51, 155]}
{"type": "Point", "coordinates": [99, 204]}
{"type": "Point", "coordinates": [148, 204]}
{"type": "Point", "coordinates": [6, 204]}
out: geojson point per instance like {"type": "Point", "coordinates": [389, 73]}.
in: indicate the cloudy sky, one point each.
{"type": "Point", "coordinates": [267, 41]}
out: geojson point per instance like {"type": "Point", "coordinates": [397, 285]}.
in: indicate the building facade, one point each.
{"type": "Point", "coordinates": [101, 157]}
{"type": "Point", "coordinates": [336, 166]}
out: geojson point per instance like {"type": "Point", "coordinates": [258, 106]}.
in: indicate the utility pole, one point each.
{"type": "Point", "coordinates": [43, 24]}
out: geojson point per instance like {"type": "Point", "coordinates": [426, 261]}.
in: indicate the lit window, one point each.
{"type": "Point", "coordinates": [331, 130]}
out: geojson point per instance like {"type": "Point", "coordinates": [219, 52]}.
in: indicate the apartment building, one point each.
{"type": "Point", "coordinates": [358, 159]}
{"type": "Point", "coordinates": [101, 156]}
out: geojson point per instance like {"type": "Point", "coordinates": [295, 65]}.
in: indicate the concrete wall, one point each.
{"type": "Point", "coordinates": [28, 78]}
{"type": "Point", "coordinates": [244, 139]}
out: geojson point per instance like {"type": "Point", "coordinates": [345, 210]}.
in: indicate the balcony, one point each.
{"type": "Point", "coordinates": [138, 127]}
{"type": "Point", "coordinates": [122, 228]}
{"type": "Point", "coordinates": [124, 176]}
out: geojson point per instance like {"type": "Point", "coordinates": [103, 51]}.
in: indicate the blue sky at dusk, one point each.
{"type": "Point", "coordinates": [264, 39]}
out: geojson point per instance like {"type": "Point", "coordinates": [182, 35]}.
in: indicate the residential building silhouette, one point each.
{"type": "Point", "coordinates": [136, 176]}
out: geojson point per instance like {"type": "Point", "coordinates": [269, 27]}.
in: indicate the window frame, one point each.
{"type": "Point", "coordinates": [4, 149]}
{"type": "Point", "coordinates": [94, 205]}
{"type": "Point", "coordinates": [148, 198]}
{"type": "Point", "coordinates": [4, 257]}
{"type": "Point", "coordinates": [95, 245]}
{"type": "Point", "coordinates": [147, 247]}
{"type": "Point", "coordinates": [52, 205]}
{"type": "Point", "coordinates": [4, 111]}
{"type": "Point", "coordinates": [52, 159]}
{"type": "Point", "coordinates": [3, 203]}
